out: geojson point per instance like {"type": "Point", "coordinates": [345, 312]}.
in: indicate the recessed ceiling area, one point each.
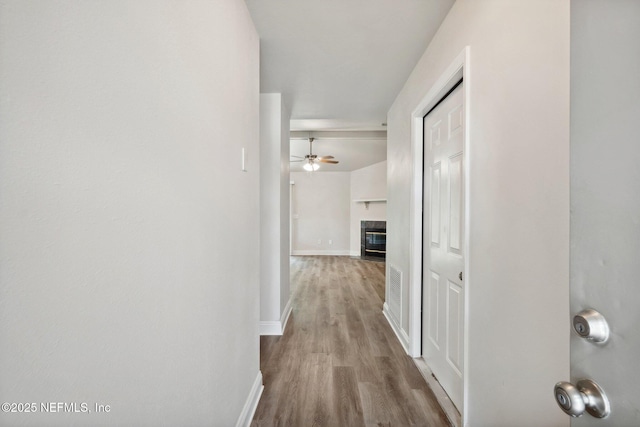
{"type": "Point", "coordinates": [353, 150]}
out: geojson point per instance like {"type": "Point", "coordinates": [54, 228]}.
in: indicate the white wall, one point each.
{"type": "Point", "coordinates": [321, 203]}
{"type": "Point", "coordinates": [274, 214]}
{"type": "Point", "coordinates": [518, 277]}
{"type": "Point", "coordinates": [367, 183]}
{"type": "Point", "coordinates": [128, 265]}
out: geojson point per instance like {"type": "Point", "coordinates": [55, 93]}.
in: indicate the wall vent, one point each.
{"type": "Point", "coordinates": [395, 293]}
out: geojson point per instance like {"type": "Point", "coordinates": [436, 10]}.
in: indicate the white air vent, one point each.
{"type": "Point", "coordinates": [395, 293]}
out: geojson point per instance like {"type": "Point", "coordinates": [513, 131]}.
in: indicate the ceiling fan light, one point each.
{"type": "Point", "coordinates": [311, 166]}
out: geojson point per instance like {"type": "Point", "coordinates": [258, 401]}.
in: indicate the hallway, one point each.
{"type": "Point", "coordinates": [339, 363]}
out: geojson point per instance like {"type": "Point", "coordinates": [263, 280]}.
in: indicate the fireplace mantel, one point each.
{"type": "Point", "coordinates": [367, 201]}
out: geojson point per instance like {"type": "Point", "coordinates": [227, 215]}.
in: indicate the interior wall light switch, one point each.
{"type": "Point", "coordinates": [244, 160]}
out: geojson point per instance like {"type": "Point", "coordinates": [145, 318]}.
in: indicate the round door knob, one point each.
{"type": "Point", "coordinates": [569, 398]}
{"type": "Point", "coordinates": [586, 395]}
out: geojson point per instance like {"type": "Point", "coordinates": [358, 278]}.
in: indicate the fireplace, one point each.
{"type": "Point", "coordinates": [373, 240]}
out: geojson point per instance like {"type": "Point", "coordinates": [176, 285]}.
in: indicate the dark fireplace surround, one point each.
{"type": "Point", "coordinates": [373, 240]}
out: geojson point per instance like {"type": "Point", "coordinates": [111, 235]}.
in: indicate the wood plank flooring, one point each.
{"type": "Point", "coordinates": [338, 362]}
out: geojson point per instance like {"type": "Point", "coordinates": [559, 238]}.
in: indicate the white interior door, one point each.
{"type": "Point", "coordinates": [605, 200]}
{"type": "Point", "coordinates": [443, 290]}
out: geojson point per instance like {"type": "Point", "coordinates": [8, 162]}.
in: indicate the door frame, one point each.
{"type": "Point", "coordinates": [458, 69]}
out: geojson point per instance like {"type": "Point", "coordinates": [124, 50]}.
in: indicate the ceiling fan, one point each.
{"type": "Point", "coordinates": [311, 160]}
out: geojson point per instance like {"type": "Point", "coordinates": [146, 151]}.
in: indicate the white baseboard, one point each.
{"type": "Point", "coordinates": [276, 327]}
{"type": "Point", "coordinates": [285, 315]}
{"type": "Point", "coordinates": [249, 409]}
{"type": "Point", "coordinates": [354, 253]}
{"type": "Point", "coordinates": [270, 327]}
{"type": "Point", "coordinates": [402, 335]}
{"type": "Point", "coordinates": [321, 252]}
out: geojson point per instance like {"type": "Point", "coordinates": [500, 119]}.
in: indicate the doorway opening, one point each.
{"type": "Point", "coordinates": [440, 290]}
{"type": "Point", "coordinates": [443, 289]}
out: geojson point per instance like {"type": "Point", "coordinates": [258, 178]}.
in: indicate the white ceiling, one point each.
{"type": "Point", "coordinates": [339, 64]}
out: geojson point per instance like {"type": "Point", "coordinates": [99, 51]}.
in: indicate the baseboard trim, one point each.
{"type": "Point", "coordinates": [270, 327]}
{"type": "Point", "coordinates": [321, 252]}
{"type": "Point", "coordinates": [400, 334]}
{"type": "Point", "coordinates": [250, 406]}
{"type": "Point", "coordinates": [285, 316]}
{"type": "Point", "coordinates": [276, 327]}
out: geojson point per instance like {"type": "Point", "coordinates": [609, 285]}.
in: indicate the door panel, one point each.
{"type": "Point", "coordinates": [454, 327]}
{"type": "Point", "coordinates": [434, 134]}
{"type": "Point", "coordinates": [434, 297]}
{"type": "Point", "coordinates": [605, 200]}
{"type": "Point", "coordinates": [443, 261]}
{"type": "Point", "coordinates": [435, 204]}
{"type": "Point", "coordinates": [455, 204]}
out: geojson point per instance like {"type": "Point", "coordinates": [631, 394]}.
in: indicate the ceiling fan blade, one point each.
{"type": "Point", "coordinates": [333, 162]}
{"type": "Point", "coordinates": [298, 157]}
{"type": "Point", "coordinates": [293, 161]}
{"type": "Point", "coordinates": [326, 157]}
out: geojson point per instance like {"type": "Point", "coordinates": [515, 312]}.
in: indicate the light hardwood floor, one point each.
{"type": "Point", "coordinates": [338, 362]}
